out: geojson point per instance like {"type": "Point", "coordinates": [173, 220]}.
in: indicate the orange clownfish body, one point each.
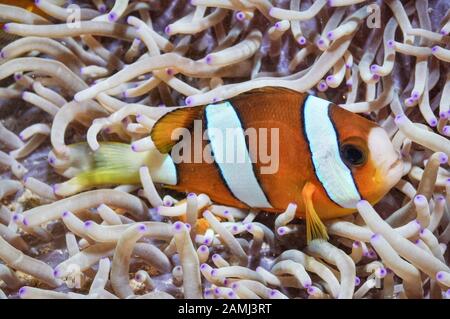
{"type": "Point", "coordinates": [271, 147]}
{"type": "Point", "coordinates": [327, 158]}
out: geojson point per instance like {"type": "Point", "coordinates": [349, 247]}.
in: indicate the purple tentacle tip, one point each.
{"type": "Point", "coordinates": [390, 43]}
{"type": "Point", "coordinates": [203, 266]}
{"type": "Point", "coordinates": [443, 115]}
{"type": "Point", "coordinates": [277, 25]}
{"type": "Point", "coordinates": [217, 291]}
{"type": "Point", "coordinates": [357, 281]}
{"type": "Point", "coordinates": [373, 67]}
{"type": "Point", "coordinates": [320, 42]}
{"type": "Point", "coordinates": [87, 223]}
{"type": "Point", "coordinates": [330, 35]}
{"type": "Point", "coordinates": [112, 16]}
{"type": "Point", "coordinates": [214, 100]}
{"type": "Point", "coordinates": [2, 54]}
{"type": "Point", "coordinates": [330, 78]}
{"type": "Point", "coordinates": [419, 198]}
{"type": "Point", "coordinates": [203, 248]}
{"type": "Point", "coordinates": [302, 40]}
{"type": "Point", "coordinates": [15, 217]}
{"type": "Point", "coordinates": [133, 147]}
{"type": "Point", "coordinates": [234, 286]}
{"type": "Point", "coordinates": [206, 241]}
{"type": "Point", "coordinates": [22, 291]}
{"type": "Point", "coordinates": [6, 27]}
{"type": "Point", "coordinates": [281, 231]}
{"type": "Point", "coordinates": [208, 59]}
{"type": "Point", "coordinates": [376, 77]}
{"type": "Point", "coordinates": [383, 271]}
{"type": "Point", "coordinates": [169, 72]}
{"type": "Point", "coordinates": [443, 158]}
{"type": "Point", "coordinates": [142, 228]}
{"type": "Point", "coordinates": [102, 8]}
{"type": "Point", "coordinates": [178, 226]}
{"type": "Point", "coordinates": [188, 101]}
{"type": "Point", "coordinates": [213, 272]}
{"type": "Point", "coordinates": [167, 203]}
{"type": "Point", "coordinates": [240, 16]}
{"type": "Point", "coordinates": [399, 118]}
{"type": "Point", "coordinates": [167, 30]}
{"type": "Point", "coordinates": [231, 294]}
{"type": "Point", "coordinates": [25, 222]}
{"type": "Point", "coordinates": [249, 227]}
{"type": "Point", "coordinates": [433, 122]}
{"type": "Point", "coordinates": [440, 275]}
{"type": "Point", "coordinates": [434, 49]}
{"type": "Point", "coordinates": [415, 95]}
{"type": "Point", "coordinates": [361, 202]}
{"type": "Point", "coordinates": [56, 273]}
{"type": "Point", "coordinates": [191, 195]}
{"type": "Point", "coordinates": [37, 2]}
{"type": "Point", "coordinates": [374, 237]}
{"type": "Point", "coordinates": [215, 256]}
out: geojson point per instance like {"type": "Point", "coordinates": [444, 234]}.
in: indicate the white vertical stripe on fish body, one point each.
{"type": "Point", "coordinates": [322, 138]}
{"type": "Point", "coordinates": [226, 135]}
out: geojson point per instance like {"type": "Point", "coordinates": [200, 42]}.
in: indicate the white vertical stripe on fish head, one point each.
{"type": "Point", "coordinates": [226, 135]}
{"type": "Point", "coordinates": [322, 138]}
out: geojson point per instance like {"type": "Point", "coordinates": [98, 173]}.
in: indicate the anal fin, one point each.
{"type": "Point", "coordinates": [315, 229]}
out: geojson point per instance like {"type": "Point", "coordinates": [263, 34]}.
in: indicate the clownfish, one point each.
{"type": "Point", "coordinates": [328, 158]}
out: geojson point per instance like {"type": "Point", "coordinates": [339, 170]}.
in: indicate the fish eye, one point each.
{"type": "Point", "coordinates": [353, 155]}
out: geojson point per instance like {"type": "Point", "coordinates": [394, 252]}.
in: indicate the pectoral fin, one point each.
{"type": "Point", "coordinates": [315, 229]}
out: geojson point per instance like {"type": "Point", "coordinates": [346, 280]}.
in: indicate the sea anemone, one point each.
{"type": "Point", "coordinates": [108, 70]}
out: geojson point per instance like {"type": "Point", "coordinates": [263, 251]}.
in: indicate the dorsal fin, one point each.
{"type": "Point", "coordinates": [268, 90]}
{"type": "Point", "coordinates": [161, 133]}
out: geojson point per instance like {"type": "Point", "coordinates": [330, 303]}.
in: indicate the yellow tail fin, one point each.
{"type": "Point", "coordinates": [113, 164]}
